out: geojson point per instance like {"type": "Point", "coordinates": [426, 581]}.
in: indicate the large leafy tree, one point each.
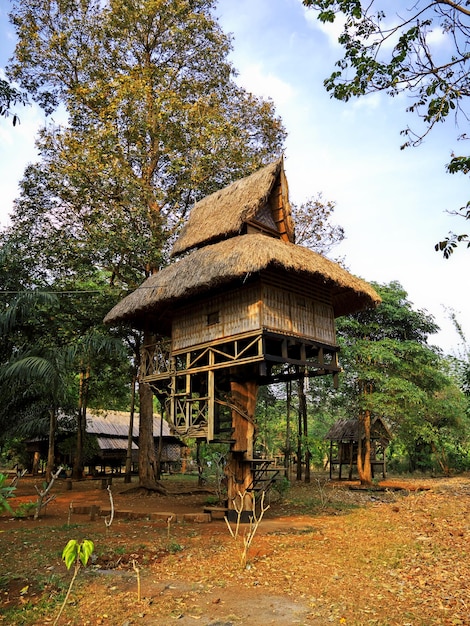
{"type": "Point", "coordinates": [155, 121]}
{"type": "Point", "coordinates": [51, 362]}
{"type": "Point", "coordinates": [390, 370]}
{"type": "Point", "coordinates": [419, 48]}
{"type": "Point", "coordinates": [9, 97]}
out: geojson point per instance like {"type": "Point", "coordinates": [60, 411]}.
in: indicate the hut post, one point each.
{"type": "Point", "coordinates": [351, 458]}
{"type": "Point", "coordinates": [288, 428]}
{"type": "Point", "coordinates": [331, 457]}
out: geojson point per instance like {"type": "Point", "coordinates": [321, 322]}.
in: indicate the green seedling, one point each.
{"type": "Point", "coordinates": [5, 493]}
{"type": "Point", "coordinates": [76, 554]}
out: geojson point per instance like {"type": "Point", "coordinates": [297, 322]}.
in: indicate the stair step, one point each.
{"type": "Point", "coordinates": [222, 440]}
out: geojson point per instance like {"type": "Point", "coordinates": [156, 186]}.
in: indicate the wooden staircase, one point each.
{"type": "Point", "coordinates": [264, 475]}
{"type": "Point", "coordinates": [263, 472]}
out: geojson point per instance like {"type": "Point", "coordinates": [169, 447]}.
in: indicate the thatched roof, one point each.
{"type": "Point", "coordinates": [348, 430]}
{"type": "Point", "coordinates": [226, 212]}
{"type": "Point", "coordinates": [237, 259]}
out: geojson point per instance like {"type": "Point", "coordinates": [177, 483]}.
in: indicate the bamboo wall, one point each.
{"type": "Point", "coordinates": [256, 307]}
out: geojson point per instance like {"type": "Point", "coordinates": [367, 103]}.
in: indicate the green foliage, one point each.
{"type": "Point", "coordinates": [75, 552]}
{"type": "Point", "coordinates": [173, 547]}
{"type": "Point", "coordinates": [6, 492]}
{"type": "Point", "coordinates": [25, 509]}
{"type": "Point", "coordinates": [281, 487]}
{"type": "Point", "coordinates": [385, 354]}
{"type": "Point", "coordinates": [9, 97]}
{"type": "Point", "coordinates": [397, 52]}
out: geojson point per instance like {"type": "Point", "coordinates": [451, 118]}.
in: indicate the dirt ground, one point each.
{"type": "Point", "coordinates": [327, 553]}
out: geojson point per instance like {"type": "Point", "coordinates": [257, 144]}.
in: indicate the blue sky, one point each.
{"type": "Point", "coordinates": [391, 203]}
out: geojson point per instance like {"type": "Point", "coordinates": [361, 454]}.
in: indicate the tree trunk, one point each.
{"type": "Point", "coordinates": [288, 428]}
{"type": "Point", "coordinates": [364, 467]}
{"type": "Point", "coordinates": [51, 446]}
{"type": "Point", "coordinates": [200, 478]}
{"type": "Point", "coordinates": [130, 439]}
{"type": "Point", "coordinates": [299, 435]}
{"type": "Point", "coordinates": [147, 457]}
{"type": "Point", "coordinates": [81, 422]}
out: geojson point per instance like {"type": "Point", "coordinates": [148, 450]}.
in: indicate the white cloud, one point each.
{"type": "Point", "coordinates": [256, 79]}
{"type": "Point", "coordinates": [331, 30]}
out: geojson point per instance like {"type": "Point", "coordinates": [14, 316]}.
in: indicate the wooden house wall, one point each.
{"type": "Point", "coordinates": [306, 313]}
{"type": "Point", "coordinates": [296, 314]}
{"type": "Point", "coordinates": [236, 311]}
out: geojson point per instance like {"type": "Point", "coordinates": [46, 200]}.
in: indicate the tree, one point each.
{"type": "Point", "coordinates": [313, 228]}
{"type": "Point", "coordinates": [391, 371]}
{"type": "Point", "coordinates": [50, 371]}
{"type": "Point", "coordinates": [9, 97]}
{"type": "Point", "coordinates": [60, 326]}
{"type": "Point", "coordinates": [87, 349]}
{"type": "Point", "coordinates": [156, 121]}
{"type": "Point", "coordinates": [417, 48]}
{"type": "Point", "coordinates": [31, 382]}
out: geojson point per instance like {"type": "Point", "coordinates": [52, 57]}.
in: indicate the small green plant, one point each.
{"type": "Point", "coordinates": [174, 547]}
{"type": "Point", "coordinates": [6, 491]}
{"type": "Point", "coordinates": [281, 487]}
{"type": "Point", "coordinates": [25, 509]}
{"type": "Point", "coordinates": [78, 554]}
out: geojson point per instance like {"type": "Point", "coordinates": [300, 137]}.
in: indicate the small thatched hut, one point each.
{"type": "Point", "coordinates": [344, 443]}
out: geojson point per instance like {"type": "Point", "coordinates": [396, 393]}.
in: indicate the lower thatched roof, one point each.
{"type": "Point", "coordinates": [116, 424]}
{"type": "Point", "coordinates": [238, 258]}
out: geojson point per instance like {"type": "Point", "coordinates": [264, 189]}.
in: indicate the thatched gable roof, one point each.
{"type": "Point", "coordinates": [226, 212]}
{"type": "Point", "coordinates": [348, 430]}
{"type": "Point", "coordinates": [237, 259]}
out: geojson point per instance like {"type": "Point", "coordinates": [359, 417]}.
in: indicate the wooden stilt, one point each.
{"type": "Point", "coordinates": [239, 468]}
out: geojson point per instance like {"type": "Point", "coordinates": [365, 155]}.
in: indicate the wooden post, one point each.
{"type": "Point", "coordinates": [36, 461]}
{"type": "Point", "coordinates": [239, 468]}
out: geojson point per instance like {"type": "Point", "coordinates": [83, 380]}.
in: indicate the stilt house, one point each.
{"type": "Point", "coordinates": [242, 306]}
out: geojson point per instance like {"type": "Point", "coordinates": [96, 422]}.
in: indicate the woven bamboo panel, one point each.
{"type": "Point", "coordinates": [214, 318]}
{"type": "Point", "coordinates": [292, 313]}
{"type": "Point", "coordinates": [253, 308]}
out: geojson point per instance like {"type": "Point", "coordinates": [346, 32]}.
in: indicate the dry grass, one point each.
{"type": "Point", "coordinates": [325, 555]}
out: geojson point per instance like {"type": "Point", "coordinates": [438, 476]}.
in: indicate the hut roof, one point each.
{"type": "Point", "coordinates": [115, 424]}
{"type": "Point", "coordinates": [224, 213]}
{"type": "Point", "coordinates": [236, 259]}
{"type": "Point", "coordinates": [348, 430]}
{"type": "Point", "coordinates": [114, 443]}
